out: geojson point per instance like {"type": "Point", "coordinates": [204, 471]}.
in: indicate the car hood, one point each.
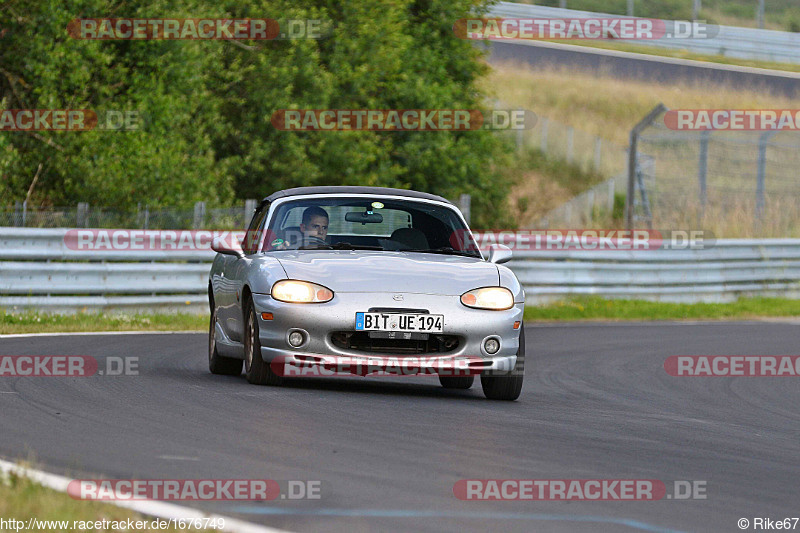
{"type": "Point", "coordinates": [375, 271]}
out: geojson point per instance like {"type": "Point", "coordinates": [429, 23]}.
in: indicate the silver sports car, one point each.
{"type": "Point", "coordinates": [332, 273]}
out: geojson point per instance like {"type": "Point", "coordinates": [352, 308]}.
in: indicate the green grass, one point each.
{"type": "Point", "coordinates": [596, 308]}
{"type": "Point", "coordinates": [31, 322]}
{"type": "Point", "coordinates": [589, 308]}
{"type": "Point", "coordinates": [22, 499]}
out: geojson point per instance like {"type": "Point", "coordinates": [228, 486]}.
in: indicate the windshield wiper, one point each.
{"type": "Point", "coordinates": [446, 250]}
{"type": "Point", "coordinates": [347, 246]}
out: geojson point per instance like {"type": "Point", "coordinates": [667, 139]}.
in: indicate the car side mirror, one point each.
{"type": "Point", "coordinates": [499, 253]}
{"type": "Point", "coordinates": [232, 248]}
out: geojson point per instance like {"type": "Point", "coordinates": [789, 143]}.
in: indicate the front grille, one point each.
{"type": "Point", "coordinates": [360, 341]}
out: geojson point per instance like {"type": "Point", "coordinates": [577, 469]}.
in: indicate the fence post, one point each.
{"type": "Point", "coordinates": [611, 191]}
{"type": "Point", "coordinates": [630, 8]}
{"type": "Point", "coordinates": [696, 7]}
{"type": "Point", "coordinates": [249, 210]}
{"type": "Point", "coordinates": [199, 215]}
{"type": "Point", "coordinates": [520, 140]}
{"type": "Point", "coordinates": [570, 142]}
{"type": "Point", "coordinates": [702, 170]}
{"type": "Point", "coordinates": [83, 214]}
{"type": "Point", "coordinates": [632, 159]}
{"type": "Point", "coordinates": [465, 205]}
{"type": "Point", "coordinates": [763, 142]}
{"type": "Point", "coordinates": [598, 152]}
{"type": "Point", "coordinates": [24, 213]}
{"type": "Point", "coordinates": [543, 146]}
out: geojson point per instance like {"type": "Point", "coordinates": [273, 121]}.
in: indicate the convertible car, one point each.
{"type": "Point", "coordinates": [325, 273]}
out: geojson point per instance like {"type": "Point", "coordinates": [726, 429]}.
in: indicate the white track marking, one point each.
{"type": "Point", "coordinates": [660, 59]}
{"type": "Point", "coordinates": [151, 508]}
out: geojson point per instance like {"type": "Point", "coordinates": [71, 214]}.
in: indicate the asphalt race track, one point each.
{"type": "Point", "coordinates": [597, 404]}
{"type": "Point", "coordinates": [627, 65]}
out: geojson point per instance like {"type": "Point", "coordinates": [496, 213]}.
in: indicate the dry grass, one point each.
{"type": "Point", "coordinates": [607, 106]}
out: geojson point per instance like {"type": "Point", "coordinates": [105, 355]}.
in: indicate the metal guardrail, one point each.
{"type": "Point", "coordinates": [39, 271]}
{"type": "Point", "coordinates": [731, 41]}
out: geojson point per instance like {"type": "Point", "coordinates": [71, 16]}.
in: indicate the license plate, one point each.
{"type": "Point", "coordinates": [407, 322]}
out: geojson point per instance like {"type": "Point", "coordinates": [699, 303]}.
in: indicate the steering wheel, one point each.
{"type": "Point", "coordinates": [312, 241]}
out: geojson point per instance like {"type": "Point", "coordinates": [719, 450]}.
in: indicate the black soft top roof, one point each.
{"type": "Point", "coordinates": [349, 189]}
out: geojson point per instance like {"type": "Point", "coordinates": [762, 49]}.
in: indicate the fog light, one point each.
{"type": "Point", "coordinates": [491, 346]}
{"type": "Point", "coordinates": [296, 338]}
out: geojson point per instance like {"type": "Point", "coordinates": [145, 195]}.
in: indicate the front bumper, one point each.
{"type": "Point", "coordinates": [319, 321]}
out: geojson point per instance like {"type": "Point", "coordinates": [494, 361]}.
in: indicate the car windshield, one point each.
{"type": "Point", "coordinates": [368, 223]}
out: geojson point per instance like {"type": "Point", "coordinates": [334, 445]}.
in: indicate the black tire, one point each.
{"type": "Point", "coordinates": [507, 385]}
{"type": "Point", "coordinates": [257, 371]}
{"type": "Point", "coordinates": [456, 382]}
{"type": "Point", "coordinates": [217, 364]}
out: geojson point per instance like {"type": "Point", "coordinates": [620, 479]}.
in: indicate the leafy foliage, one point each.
{"type": "Point", "coordinates": [206, 105]}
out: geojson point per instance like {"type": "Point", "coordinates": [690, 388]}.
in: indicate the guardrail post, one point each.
{"type": "Point", "coordinates": [199, 215]}
{"type": "Point", "coordinates": [83, 215]}
{"type": "Point", "coordinates": [249, 210]}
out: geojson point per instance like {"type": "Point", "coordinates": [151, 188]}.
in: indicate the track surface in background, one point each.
{"type": "Point", "coordinates": [643, 67]}
{"type": "Point", "coordinates": [597, 403]}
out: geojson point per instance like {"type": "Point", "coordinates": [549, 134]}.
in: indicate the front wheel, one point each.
{"type": "Point", "coordinates": [507, 385]}
{"type": "Point", "coordinates": [257, 371]}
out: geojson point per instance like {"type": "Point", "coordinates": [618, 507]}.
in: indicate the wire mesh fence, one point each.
{"type": "Point", "coordinates": [734, 183]}
{"type": "Point", "coordinates": [86, 216]}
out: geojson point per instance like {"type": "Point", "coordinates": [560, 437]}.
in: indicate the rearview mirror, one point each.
{"type": "Point", "coordinates": [364, 218]}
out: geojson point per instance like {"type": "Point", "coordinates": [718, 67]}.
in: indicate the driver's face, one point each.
{"type": "Point", "coordinates": [316, 227]}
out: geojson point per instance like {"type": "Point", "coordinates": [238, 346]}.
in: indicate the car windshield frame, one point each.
{"type": "Point", "coordinates": [468, 246]}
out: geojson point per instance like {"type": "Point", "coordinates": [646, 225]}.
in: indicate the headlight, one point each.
{"type": "Point", "coordinates": [301, 292]}
{"type": "Point", "coordinates": [494, 298]}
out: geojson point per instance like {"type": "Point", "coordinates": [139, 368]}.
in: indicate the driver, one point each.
{"type": "Point", "coordinates": [314, 229]}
